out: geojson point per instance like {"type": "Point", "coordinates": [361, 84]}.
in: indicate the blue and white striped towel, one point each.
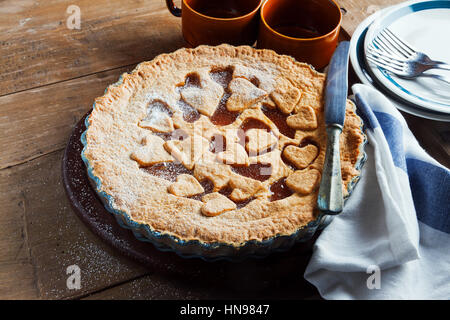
{"type": "Point", "coordinates": [393, 239]}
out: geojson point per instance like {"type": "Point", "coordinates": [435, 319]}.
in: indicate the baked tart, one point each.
{"type": "Point", "coordinates": [216, 152]}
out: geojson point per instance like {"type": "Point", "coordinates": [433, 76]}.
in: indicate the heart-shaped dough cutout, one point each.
{"type": "Point", "coordinates": [151, 152]}
{"type": "Point", "coordinates": [185, 186]}
{"type": "Point", "coordinates": [259, 140]}
{"type": "Point", "coordinates": [243, 95]}
{"type": "Point", "coordinates": [301, 157]}
{"type": "Point", "coordinates": [204, 97]}
{"type": "Point", "coordinates": [189, 150]}
{"type": "Point", "coordinates": [243, 188]}
{"type": "Point", "coordinates": [161, 123]}
{"type": "Point", "coordinates": [215, 204]}
{"type": "Point", "coordinates": [216, 172]}
{"type": "Point", "coordinates": [234, 154]}
{"type": "Point", "coordinates": [285, 96]}
{"type": "Point", "coordinates": [303, 181]}
{"type": "Point", "coordinates": [305, 119]}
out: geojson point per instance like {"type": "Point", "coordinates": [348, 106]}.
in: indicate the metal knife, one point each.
{"type": "Point", "coordinates": [331, 200]}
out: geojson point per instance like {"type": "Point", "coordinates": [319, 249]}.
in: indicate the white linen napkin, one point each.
{"type": "Point", "coordinates": [392, 241]}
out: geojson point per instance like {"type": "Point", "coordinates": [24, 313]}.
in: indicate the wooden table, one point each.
{"type": "Point", "coordinates": [49, 77]}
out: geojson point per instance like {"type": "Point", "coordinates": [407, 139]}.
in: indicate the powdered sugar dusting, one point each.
{"type": "Point", "coordinates": [157, 111]}
{"type": "Point", "coordinates": [265, 78]}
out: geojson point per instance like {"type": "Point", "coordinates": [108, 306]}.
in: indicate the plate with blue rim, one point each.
{"type": "Point", "coordinates": [361, 68]}
{"type": "Point", "coordinates": [421, 24]}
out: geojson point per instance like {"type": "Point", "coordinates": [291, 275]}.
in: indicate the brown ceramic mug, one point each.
{"type": "Point", "coordinates": [213, 22]}
{"type": "Point", "coordinates": [308, 30]}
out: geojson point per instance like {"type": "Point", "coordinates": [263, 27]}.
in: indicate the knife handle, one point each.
{"type": "Point", "coordinates": [331, 200]}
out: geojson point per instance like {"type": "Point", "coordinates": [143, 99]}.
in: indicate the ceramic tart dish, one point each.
{"type": "Point", "coordinates": [216, 152]}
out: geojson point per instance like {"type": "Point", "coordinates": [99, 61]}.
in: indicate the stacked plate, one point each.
{"type": "Point", "coordinates": [425, 25]}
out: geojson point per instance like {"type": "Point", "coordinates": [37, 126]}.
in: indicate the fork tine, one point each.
{"type": "Point", "coordinates": [384, 66]}
{"type": "Point", "coordinates": [388, 47]}
{"type": "Point", "coordinates": [374, 51]}
{"type": "Point", "coordinates": [400, 41]}
{"type": "Point", "coordinates": [383, 63]}
{"type": "Point", "coordinates": [385, 49]}
{"type": "Point", "coordinates": [382, 46]}
{"type": "Point", "coordinates": [393, 45]}
{"type": "Point", "coordinates": [388, 60]}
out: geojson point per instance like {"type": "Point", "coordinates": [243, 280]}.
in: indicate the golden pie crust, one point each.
{"type": "Point", "coordinates": [152, 157]}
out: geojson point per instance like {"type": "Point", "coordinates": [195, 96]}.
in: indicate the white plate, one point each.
{"type": "Point", "coordinates": [357, 58]}
{"type": "Point", "coordinates": [425, 26]}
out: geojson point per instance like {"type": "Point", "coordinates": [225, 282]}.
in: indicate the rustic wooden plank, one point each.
{"type": "Point", "coordinates": [39, 121]}
{"type": "Point", "coordinates": [46, 237]}
{"type": "Point", "coordinates": [17, 281]}
{"type": "Point", "coordinates": [357, 10]}
{"type": "Point", "coordinates": [37, 47]}
{"type": "Point", "coordinates": [16, 266]}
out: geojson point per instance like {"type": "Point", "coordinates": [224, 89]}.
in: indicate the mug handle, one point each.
{"type": "Point", "coordinates": [173, 9]}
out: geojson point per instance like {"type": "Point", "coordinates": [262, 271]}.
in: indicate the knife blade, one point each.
{"type": "Point", "coordinates": [330, 199]}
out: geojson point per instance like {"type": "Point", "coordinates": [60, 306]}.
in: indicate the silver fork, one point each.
{"type": "Point", "coordinates": [404, 69]}
{"type": "Point", "coordinates": [387, 41]}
